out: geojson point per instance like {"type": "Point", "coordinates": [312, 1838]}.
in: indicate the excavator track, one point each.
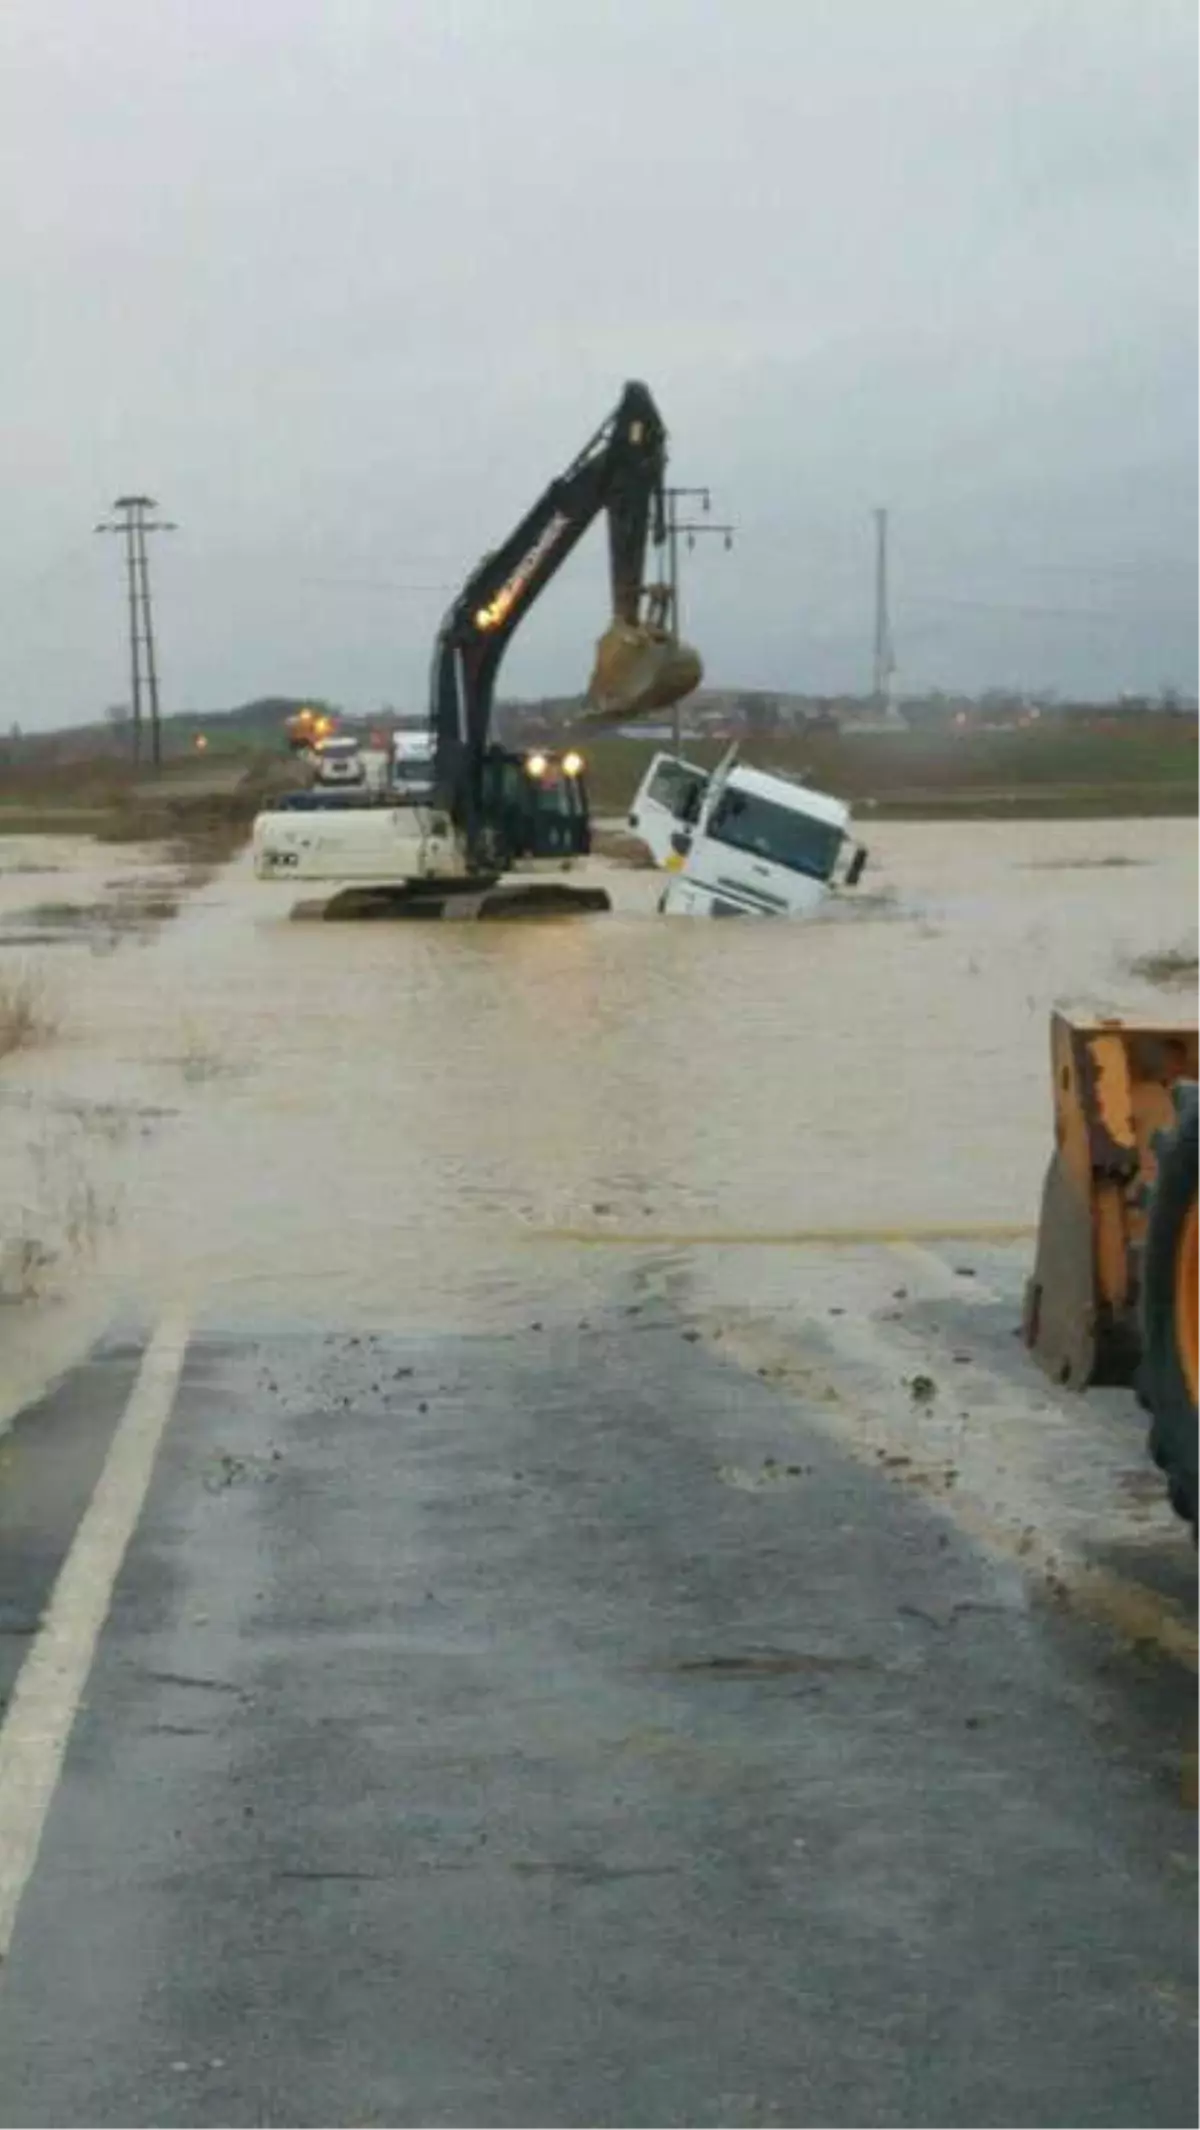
{"type": "Point", "coordinates": [465, 902]}
{"type": "Point", "coordinates": [1167, 1376]}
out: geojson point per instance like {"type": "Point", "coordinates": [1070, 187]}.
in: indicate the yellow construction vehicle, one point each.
{"type": "Point", "coordinates": [306, 727]}
{"type": "Point", "coordinates": [1113, 1297]}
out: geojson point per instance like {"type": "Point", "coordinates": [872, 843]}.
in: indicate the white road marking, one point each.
{"type": "Point", "coordinates": [46, 1697]}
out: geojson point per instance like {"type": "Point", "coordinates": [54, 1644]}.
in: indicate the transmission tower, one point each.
{"type": "Point", "coordinates": [692, 531]}
{"type": "Point", "coordinates": [884, 663]}
{"type": "Point", "coordinates": [132, 521]}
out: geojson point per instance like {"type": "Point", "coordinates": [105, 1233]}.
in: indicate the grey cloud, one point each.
{"type": "Point", "coordinates": [345, 284]}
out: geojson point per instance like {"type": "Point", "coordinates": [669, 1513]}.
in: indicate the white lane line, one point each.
{"type": "Point", "coordinates": [37, 1726]}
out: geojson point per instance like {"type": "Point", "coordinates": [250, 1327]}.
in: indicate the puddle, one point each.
{"type": "Point", "coordinates": [773, 1664]}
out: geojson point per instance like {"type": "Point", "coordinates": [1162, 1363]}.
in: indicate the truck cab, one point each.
{"type": "Point", "coordinates": [737, 841]}
{"type": "Point", "coordinates": [411, 766]}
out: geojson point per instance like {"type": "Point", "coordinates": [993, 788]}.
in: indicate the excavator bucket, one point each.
{"type": "Point", "coordinates": [1113, 1082]}
{"type": "Point", "coordinates": [639, 669]}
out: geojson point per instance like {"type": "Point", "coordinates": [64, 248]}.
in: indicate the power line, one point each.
{"type": "Point", "coordinates": [132, 522]}
{"type": "Point", "coordinates": [375, 584]}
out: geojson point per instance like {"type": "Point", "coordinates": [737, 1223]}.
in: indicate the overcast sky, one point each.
{"type": "Point", "coordinates": [343, 283]}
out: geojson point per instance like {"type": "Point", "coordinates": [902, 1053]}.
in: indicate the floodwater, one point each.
{"type": "Point", "coordinates": [433, 1123]}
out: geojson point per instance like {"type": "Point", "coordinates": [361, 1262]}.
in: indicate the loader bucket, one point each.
{"type": "Point", "coordinates": [1112, 1095]}
{"type": "Point", "coordinates": [639, 669]}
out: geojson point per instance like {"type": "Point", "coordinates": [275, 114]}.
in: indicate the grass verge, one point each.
{"type": "Point", "coordinates": [25, 1019]}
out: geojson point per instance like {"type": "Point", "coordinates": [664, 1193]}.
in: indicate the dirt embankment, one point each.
{"type": "Point", "coordinates": [202, 814]}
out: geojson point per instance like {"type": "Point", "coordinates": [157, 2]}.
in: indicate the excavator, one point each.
{"type": "Point", "coordinates": [1113, 1294]}
{"type": "Point", "coordinates": [494, 811]}
{"type": "Point", "coordinates": [638, 666]}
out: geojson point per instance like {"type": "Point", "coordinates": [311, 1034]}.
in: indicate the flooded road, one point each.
{"type": "Point", "coordinates": [467, 1128]}
{"type": "Point", "coordinates": [564, 1664]}
{"type": "Point", "coordinates": [462, 1091]}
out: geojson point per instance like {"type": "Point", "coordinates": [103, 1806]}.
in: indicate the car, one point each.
{"type": "Point", "coordinates": [338, 761]}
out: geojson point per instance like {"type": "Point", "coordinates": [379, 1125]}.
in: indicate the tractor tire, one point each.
{"type": "Point", "coordinates": [1168, 1373]}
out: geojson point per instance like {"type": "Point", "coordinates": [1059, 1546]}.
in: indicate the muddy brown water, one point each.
{"type": "Point", "coordinates": [281, 1120]}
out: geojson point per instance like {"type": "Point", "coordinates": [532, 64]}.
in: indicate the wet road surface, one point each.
{"type": "Point", "coordinates": [559, 1597]}
{"type": "Point", "coordinates": [559, 1727]}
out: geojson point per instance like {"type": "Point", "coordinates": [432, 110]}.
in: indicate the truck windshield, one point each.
{"type": "Point", "coordinates": [776, 833]}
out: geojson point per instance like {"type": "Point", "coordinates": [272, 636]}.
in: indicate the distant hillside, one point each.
{"type": "Point", "coordinates": [754, 715]}
{"type": "Point", "coordinates": [248, 727]}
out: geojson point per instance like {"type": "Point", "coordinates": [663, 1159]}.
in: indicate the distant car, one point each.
{"type": "Point", "coordinates": [338, 761]}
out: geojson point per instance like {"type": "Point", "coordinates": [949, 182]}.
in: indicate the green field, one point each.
{"type": "Point", "coordinates": [201, 808]}
{"type": "Point", "coordinates": [1053, 773]}
{"type": "Point", "coordinates": [1056, 772]}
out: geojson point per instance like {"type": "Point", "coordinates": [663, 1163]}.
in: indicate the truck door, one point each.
{"type": "Point", "coordinates": [667, 800]}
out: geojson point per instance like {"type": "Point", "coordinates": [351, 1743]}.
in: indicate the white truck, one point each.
{"type": "Point", "coordinates": [736, 841]}
{"type": "Point", "coordinates": [410, 769]}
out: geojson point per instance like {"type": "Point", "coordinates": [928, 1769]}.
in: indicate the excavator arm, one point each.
{"type": "Point", "coordinates": [620, 472]}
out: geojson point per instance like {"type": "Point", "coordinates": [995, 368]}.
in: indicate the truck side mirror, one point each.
{"type": "Point", "coordinates": [857, 866]}
{"type": "Point", "coordinates": [681, 843]}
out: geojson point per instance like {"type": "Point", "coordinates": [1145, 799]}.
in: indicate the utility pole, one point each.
{"type": "Point", "coordinates": [132, 522]}
{"type": "Point", "coordinates": [692, 531]}
{"type": "Point", "coordinates": [884, 664]}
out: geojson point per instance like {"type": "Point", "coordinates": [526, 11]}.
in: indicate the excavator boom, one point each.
{"type": "Point", "coordinates": [619, 472]}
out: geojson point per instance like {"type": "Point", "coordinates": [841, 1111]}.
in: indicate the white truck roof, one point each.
{"type": "Point", "coordinates": [765, 784]}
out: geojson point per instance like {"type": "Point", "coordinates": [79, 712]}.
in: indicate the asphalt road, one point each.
{"type": "Point", "coordinates": [557, 1726]}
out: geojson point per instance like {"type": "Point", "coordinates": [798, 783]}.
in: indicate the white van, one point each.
{"type": "Point", "coordinates": [737, 841]}
{"type": "Point", "coordinates": [411, 766]}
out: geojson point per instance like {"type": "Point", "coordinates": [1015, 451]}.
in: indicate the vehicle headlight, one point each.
{"type": "Point", "coordinates": [572, 764]}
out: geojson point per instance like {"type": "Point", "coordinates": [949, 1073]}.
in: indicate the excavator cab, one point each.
{"type": "Point", "coordinates": [535, 806]}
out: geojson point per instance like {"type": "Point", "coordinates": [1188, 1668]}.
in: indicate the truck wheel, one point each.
{"type": "Point", "coordinates": [1167, 1379]}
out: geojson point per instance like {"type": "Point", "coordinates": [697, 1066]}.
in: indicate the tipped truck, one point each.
{"type": "Point", "coordinates": [741, 842]}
